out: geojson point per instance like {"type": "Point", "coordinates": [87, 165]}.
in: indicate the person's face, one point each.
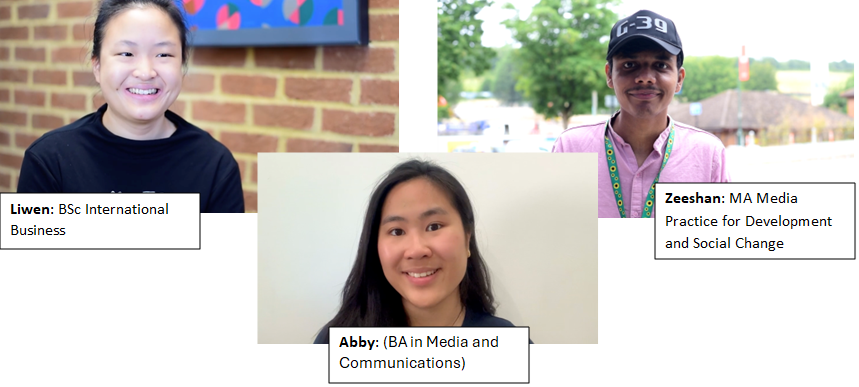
{"type": "Point", "coordinates": [645, 82]}
{"type": "Point", "coordinates": [140, 66]}
{"type": "Point", "coordinates": [423, 247]}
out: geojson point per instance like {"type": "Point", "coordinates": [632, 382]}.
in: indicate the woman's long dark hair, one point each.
{"type": "Point", "coordinates": [369, 300]}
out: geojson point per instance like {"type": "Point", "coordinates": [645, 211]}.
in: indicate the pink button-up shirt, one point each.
{"type": "Point", "coordinates": [697, 156]}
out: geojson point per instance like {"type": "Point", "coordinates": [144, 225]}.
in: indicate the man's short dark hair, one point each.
{"type": "Point", "coordinates": [639, 46]}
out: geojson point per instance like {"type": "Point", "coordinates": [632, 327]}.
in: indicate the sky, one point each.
{"type": "Point", "coordinates": [819, 29]}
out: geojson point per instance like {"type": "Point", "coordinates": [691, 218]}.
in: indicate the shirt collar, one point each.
{"type": "Point", "coordinates": [658, 145]}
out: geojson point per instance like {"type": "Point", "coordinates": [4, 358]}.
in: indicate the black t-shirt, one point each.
{"type": "Point", "coordinates": [84, 157]}
{"type": "Point", "coordinates": [472, 319]}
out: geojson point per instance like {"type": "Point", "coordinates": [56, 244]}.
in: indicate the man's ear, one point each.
{"type": "Point", "coordinates": [681, 75]}
{"type": "Point", "coordinates": [96, 67]}
{"type": "Point", "coordinates": [608, 77]}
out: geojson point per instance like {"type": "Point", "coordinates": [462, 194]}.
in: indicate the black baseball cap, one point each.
{"type": "Point", "coordinates": [646, 24]}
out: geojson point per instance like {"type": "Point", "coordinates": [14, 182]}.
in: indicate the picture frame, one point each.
{"type": "Point", "coordinates": [261, 23]}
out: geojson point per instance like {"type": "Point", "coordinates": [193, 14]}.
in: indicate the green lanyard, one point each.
{"type": "Point", "coordinates": [615, 178]}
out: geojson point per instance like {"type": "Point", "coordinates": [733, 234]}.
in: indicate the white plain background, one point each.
{"type": "Point", "coordinates": [535, 227]}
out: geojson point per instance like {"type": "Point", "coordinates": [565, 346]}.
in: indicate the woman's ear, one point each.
{"type": "Point", "coordinates": [96, 67]}
{"type": "Point", "coordinates": [468, 244]}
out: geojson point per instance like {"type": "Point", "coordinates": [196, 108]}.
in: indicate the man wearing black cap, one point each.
{"type": "Point", "coordinates": [640, 144]}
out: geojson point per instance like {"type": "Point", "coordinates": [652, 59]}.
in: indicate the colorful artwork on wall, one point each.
{"type": "Point", "coordinates": [277, 22]}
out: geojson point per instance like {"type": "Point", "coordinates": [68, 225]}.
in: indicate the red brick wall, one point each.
{"type": "Point", "coordinates": [301, 99]}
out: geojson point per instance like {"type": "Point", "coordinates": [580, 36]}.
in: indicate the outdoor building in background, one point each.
{"type": "Point", "coordinates": [772, 116]}
{"type": "Point", "coordinates": [849, 95]}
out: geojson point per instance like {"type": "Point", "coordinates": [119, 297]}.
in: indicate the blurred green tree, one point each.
{"type": "Point", "coordinates": [505, 76]}
{"type": "Point", "coordinates": [452, 89]}
{"type": "Point", "coordinates": [487, 84]}
{"type": "Point", "coordinates": [795, 64]}
{"type": "Point", "coordinates": [761, 77]}
{"type": "Point", "coordinates": [767, 59]}
{"type": "Point", "coordinates": [459, 43]}
{"type": "Point", "coordinates": [843, 66]}
{"type": "Point", "coordinates": [833, 99]}
{"type": "Point", "coordinates": [707, 76]}
{"type": "Point", "coordinates": [562, 55]}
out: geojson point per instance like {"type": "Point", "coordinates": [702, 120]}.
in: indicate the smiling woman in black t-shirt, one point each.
{"type": "Point", "coordinates": [133, 143]}
{"type": "Point", "coordinates": [418, 263]}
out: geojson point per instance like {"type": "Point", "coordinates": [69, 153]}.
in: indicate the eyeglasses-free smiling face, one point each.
{"type": "Point", "coordinates": [423, 247]}
{"type": "Point", "coordinates": [140, 65]}
{"type": "Point", "coordinates": [645, 81]}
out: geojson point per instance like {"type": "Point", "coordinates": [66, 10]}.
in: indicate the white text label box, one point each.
{"type": "Point", "coordinates": [755, 221]}
{"type": "Point", "coordinates": [100, 221]}
{"type": "Point", "coordinates": [429, 355]}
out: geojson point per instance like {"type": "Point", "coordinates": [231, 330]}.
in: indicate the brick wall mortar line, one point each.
{"type": "Point", "coordinates": [317, 120]}
{"type": "Point", "coordinates": [49, 88]}
{"type": "Point", "coordinates": [330, 75]}
{"type": "Point", "coordinates": [385, 44]}
{"type": "Point", "coordinates": [279, 87]}
{"type": "Point", "coordinates": [15, 151]}
{"type": "Point", "coordinates": [391, 143]}
{"type": "Point", "coordinates": [254, 100]}
{"type": "Point", "coordinates": [44, 109]}
{"type": "Point", "coordinates": [332, 136]}
{"type": "Point", "coordinates": [318, 75]}
{"type": "Point", "coordinates": [246, 173]}
{"type": "Point", "coordinates": [250, 61]}
{"type": "Point", "coordinates": [286, 102]}
{"type": "Point", "coordinates": [248, 158]}
{"type": "Point", "coordinates": [254, 130]}
{"type": "Point", "coordinates": [4, 168]}
{"type": "Point", "coordinates": [216, 85]}
{"type": "Point", "coordinates": [344, 106]}
{"type": "Point", "coordinates": [355, 97]}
